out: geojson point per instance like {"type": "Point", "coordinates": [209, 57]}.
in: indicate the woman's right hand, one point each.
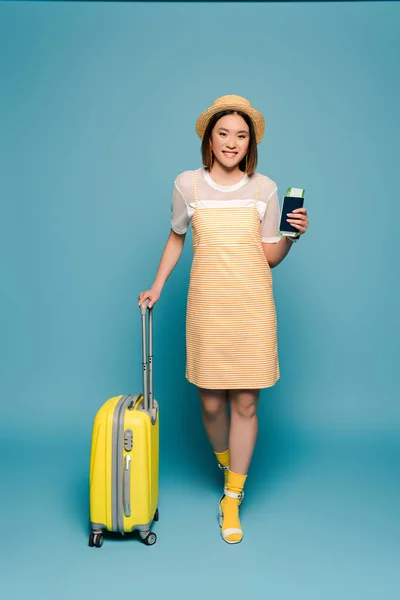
{"type": "Point", "coordinates": [153, 295]}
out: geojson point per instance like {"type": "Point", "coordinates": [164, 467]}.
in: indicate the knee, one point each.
{"type": "Point", "coordinates": [212, 407]}
{"type": "Point", "coordinates": [245, 408]}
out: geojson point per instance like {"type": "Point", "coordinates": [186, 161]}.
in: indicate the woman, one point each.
{"type": "Point", "coordinates": [231, 323]}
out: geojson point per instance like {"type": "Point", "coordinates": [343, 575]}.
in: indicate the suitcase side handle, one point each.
{"type": "Point", "coordinates": [127, 486]}
{"type": "Point", "coordinates": [147, 355]}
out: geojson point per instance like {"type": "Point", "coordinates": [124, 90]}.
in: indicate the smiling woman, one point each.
{"type": "Point", "coordinates": [231, 332]}
{"type": "Point", "coordinates": [217, 140]}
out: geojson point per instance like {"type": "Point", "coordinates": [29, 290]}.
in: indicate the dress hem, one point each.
{"type": "Point", "coordinates": [234, 387]}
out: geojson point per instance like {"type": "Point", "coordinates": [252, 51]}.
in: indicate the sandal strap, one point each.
{"type": "Point", "coordinates": [223, 468]}
{"type": "Point", "coordinates": [233, 494]}
{"type": "Point", "coordinates": [230, 531]}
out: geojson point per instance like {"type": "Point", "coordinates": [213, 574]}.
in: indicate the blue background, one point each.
{"type": "Point", "coordinates": [98, 104]}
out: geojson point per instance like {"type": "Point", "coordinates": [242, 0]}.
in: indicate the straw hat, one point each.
{"type": "Point", "coordinates": [231, 102]}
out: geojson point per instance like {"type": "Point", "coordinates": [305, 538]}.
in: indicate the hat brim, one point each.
{"type": "Point", "coordinates": [256, 117]}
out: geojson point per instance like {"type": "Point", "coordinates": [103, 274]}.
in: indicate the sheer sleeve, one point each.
{"type": "Point", "coordinates": [179, 209]}
{"type": "Point", "coordinates": [271, 220]}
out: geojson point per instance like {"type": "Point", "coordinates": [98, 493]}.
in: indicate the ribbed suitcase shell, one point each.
{"type": "Point", "coordinates": [107, 485]}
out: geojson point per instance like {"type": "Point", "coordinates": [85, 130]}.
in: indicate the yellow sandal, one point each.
{"type": "Point", "coordinates": [225, 533]}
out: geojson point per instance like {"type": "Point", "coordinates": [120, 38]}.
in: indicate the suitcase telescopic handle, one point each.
{"type": "Point", "coordinates": [147, 355]}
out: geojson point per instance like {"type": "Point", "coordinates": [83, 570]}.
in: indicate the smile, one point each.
{"type": "Point", "coordinates": [229, 154]}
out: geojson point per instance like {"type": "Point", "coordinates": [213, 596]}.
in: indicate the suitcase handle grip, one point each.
{"type": "Point", "coordinates": [144, 306]}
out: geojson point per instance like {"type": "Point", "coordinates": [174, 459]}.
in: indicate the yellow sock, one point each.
{"type": "Point", "coordinates": [230, 506]}
{"type": "Point", "coordinates": [223, 459]}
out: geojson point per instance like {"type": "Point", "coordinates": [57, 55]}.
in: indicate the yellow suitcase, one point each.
{"type": "Point", "coordinates": [124, 457]}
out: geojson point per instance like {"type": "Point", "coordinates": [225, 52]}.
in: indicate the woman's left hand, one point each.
{"type": "Point", "coordinates": [299, 219]}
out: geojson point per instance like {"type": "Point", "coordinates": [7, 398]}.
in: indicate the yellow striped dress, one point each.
{"type": "Point", "coordinates": [231, 329]}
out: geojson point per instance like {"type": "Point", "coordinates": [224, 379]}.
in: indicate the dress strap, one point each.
{"type": "Point", "coordinates": [258, 189]}
{"type": "Point", "coordinates": [195, 188]}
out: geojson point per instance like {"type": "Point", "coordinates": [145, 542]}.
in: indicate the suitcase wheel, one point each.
{"type": "Point", "coordinates": [156, 515]}
{"type": "Point", "coordinates": [96, 540]}
{"type": "Point", "coordinates": [150, 539]}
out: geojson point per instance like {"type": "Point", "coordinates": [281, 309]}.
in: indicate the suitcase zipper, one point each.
{"type": "Point", "coordinates": [114, 465]}
{"type": "Point", "coordinates": [118, 463]}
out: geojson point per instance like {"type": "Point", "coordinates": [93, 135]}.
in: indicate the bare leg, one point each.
{"type": "Point", "coordinates": [243, 429]}
{"type": "Point", "coordinates": [215, 417]}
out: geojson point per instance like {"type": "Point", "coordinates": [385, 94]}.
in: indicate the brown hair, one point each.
{"type": "Point", "coordinates": [252, 154]}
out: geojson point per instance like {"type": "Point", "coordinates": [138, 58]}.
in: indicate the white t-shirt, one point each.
{"type": "Point", "coordinates": [213, 195]}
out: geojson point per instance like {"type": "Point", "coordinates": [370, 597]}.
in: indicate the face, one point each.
{"type": "Point", "coordinates": [230, 140]}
